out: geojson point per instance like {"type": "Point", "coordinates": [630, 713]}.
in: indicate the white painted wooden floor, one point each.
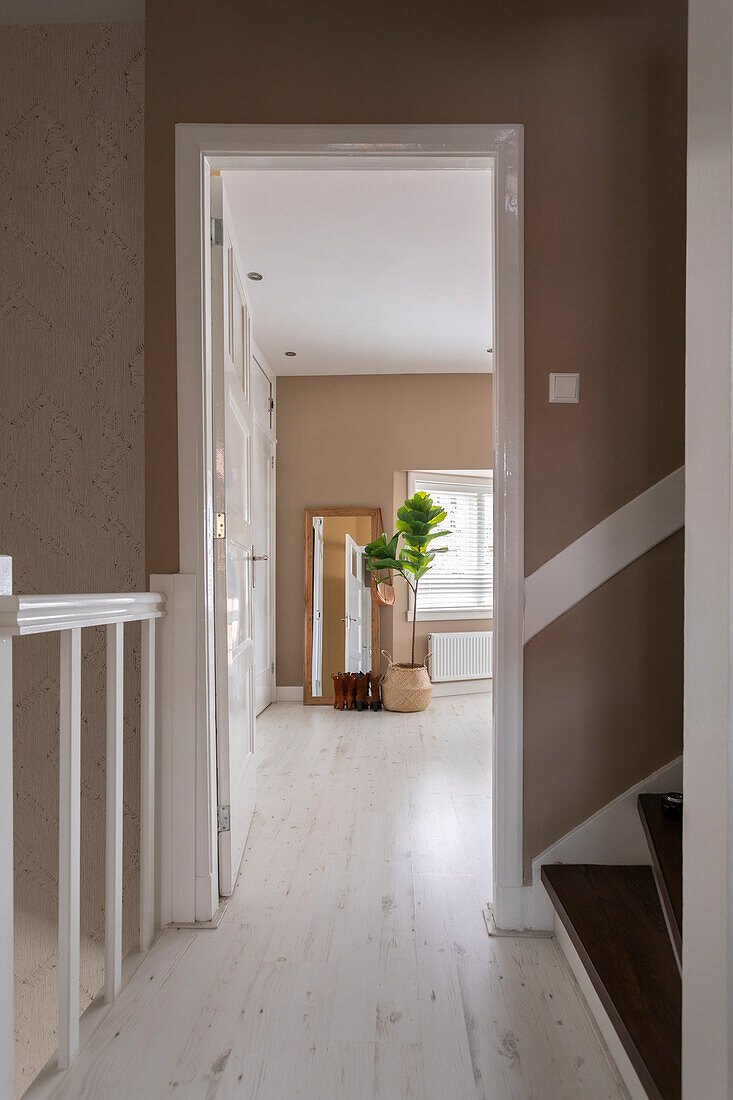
{"type": "Point", "coordinates": [353, 960]}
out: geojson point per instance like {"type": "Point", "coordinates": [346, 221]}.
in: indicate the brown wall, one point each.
{"type": "Point", "coordinates": [71, 457]}
{"type": "Point", "coordinates": [601, 91]}
{"type": "Point", "coordinates": [339, 443]}
{"type": "Point", "coordinates": [605, 705]}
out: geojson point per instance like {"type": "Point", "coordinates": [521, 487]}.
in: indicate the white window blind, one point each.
{"type": "Point", "coordinates": [463, 579]}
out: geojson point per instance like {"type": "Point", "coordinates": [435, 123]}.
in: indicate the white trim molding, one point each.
{"type": "Point", "coordinates": [450, 616]}
{"type": "Point", "coordinates": [289, 694]}
{"type": "Point", "coordinates": [613, 835]}
{"type": "Point", "coordinates": [41, 614]}
{"type": "Point", "coordinates": [188, 872]}
{"type": "Point", "coordinates": [496, 150]}
{"type": "Point", "coordinates": [707, 838]}
{"type": "Point", "coordinates": [462, 687]}
{"type": "Point", "coordinates": [604, 551]}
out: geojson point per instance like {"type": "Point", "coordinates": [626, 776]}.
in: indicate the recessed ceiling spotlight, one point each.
{"type": "Point", "coordinates": [290, 353]}
{"type": "Point", "coordinates": [254, 276]}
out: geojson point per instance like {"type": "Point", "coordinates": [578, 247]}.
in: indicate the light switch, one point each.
{"type": "Point", "coordinates": [564, 389]}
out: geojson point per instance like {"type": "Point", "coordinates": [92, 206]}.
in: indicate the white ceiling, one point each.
{"type": "Point", "coordinates": [367, 272]}
{"type": "Point", "coordinates": [70, 11]}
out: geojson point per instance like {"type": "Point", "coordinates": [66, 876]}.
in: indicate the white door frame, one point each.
{"type": "Point", "coordinates": [707, 837]}
{"type": "Point", "coordinates": [199, 149]}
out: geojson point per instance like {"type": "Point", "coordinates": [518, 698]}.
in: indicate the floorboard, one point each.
{"type": "Point", "coordinates": [353, 960]}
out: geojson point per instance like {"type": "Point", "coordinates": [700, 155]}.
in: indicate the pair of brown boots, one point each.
{"type": "Point", "coordinates": [356, 691]}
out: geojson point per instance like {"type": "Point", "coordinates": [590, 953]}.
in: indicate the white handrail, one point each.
{"type": "Point", "coordinates": [44, 614]}
{"type": "Point", "coordinates": [69, 614]}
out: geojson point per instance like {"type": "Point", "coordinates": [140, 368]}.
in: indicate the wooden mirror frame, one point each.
{"type": "Point", "coordinates": [309, 699]}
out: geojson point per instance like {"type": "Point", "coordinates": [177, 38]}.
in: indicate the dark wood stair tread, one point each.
{"type": "Point", "coordinates": [614, 918]}
{"type": "Point", "coordinates": [664, 835]}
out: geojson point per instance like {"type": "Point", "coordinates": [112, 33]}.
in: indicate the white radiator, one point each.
{"type": "Point", "coordinates": [461, 656]}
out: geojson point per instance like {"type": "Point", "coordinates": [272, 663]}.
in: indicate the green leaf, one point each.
{"type": "Point", "coordinates": [417, 520]}
{"type": "Point", "coordinates": [423, 540]}
{"type": "Point", "coordinates": [382, 563]}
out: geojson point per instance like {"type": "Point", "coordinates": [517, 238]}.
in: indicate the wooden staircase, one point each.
{"type": "Point", "coordinates": [625, 924]}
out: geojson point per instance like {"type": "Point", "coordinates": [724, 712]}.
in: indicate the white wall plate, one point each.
{"type": "Point", "coordinates": [564, 389]}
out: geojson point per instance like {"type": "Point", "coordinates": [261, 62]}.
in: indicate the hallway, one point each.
{"type": "Point", "coordinates": [353, 959]}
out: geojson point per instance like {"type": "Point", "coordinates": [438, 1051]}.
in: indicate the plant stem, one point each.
{"type": "Point", "coordinates": [414, 620]}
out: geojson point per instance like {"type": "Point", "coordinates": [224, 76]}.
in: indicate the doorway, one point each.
{"type": "Point", "coordinates": [201, 149]}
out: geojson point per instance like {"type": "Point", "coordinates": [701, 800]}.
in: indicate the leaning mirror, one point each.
{"type": "Point", "coordinates": [341, 623]}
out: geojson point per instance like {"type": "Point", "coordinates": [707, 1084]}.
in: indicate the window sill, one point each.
{"type": "Point", "coordinates": [442, 616]}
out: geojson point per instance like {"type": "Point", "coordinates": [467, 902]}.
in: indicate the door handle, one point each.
{"type": "Point", "coordinates": [256, 557]}
{"type": "Point", "coordinates": [348, 619]}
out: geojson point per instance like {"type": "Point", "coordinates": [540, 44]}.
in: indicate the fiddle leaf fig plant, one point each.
{"type": "Point", "coordinates": [416, 522]}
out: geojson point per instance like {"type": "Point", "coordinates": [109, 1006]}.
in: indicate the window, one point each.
{"type": "Point", "coordinates": [460, 584]}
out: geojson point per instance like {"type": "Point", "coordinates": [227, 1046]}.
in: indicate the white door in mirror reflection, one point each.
{"type": "Point", "coordinates": [357, 611]}
{"type": "Point", "coordinates": [317, 655]}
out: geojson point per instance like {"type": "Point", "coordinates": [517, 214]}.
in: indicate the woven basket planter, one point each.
{"type": "Point", "coordinates": [406, 689]}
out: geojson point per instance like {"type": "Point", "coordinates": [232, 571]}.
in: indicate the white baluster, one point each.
{"type": "Point", "coordinates": [113, 894]}
{"type": "Point", "coordinates": [6, 844]}
{"type": "Point", "coordinates": [69, 841]}
{"type": "Point", "coordinates": [147, 786]}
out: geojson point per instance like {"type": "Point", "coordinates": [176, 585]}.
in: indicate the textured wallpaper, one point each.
{"type": "Point", "coordinates": [71, 451]}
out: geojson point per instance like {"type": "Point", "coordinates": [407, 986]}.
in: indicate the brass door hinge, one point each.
{"type": "Point", "coordinates": [220, 526]}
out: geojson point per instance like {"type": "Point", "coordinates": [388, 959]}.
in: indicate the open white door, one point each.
{"type": "Point", "coordinates": [354, 654]}
{"type": "Point", "coordinates": [317, 635]}
{"type": "Point", "coordinates": [233, 613]}
{"type": "Point", "coordinates": [263, 477]}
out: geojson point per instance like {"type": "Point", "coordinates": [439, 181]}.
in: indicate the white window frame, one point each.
{"type": "Point", "coordinates": [446, 615]}
{"type": "Point", "coordinates": [189, 759]}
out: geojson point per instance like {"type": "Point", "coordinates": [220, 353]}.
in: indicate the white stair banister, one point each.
{"type": "Point", "coordinates": [147, 786]}
{"type": "Point", "coordinates": [69, 614]}
{"type": "Point", "coordinates": [69, 843]}
{"type": "Point", "coordinates": [113, 890]}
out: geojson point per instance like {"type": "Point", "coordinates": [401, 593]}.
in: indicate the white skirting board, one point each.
{"type": "Point", "coordinates": [612, 835]}
{"type": "Point", "coordinates": [289, 694]}
{"type": "Point", "coordinates": [461, 687]}
{"type": "Point", "coordinates": [294, 694]}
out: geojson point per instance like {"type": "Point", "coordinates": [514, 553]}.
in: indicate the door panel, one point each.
{"type": "Point", "coordinates": [261, 395]}
{"type": "Point", "coordinates": [233, 613]}
{"type": "Point", "coordinates": [261, 537]}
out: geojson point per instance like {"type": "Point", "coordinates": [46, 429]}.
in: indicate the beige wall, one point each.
{"type": "Point", "coordinates": [340, 441]}
{"type": "Point", "coordinates": [601, 91]}
{"type": "Point", "coordinates": [71, 453]}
